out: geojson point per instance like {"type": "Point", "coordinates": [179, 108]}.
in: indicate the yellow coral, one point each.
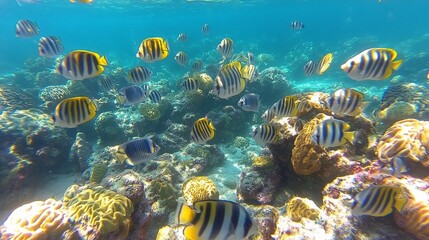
{"type": "Point", "coordinates": [199, 188]}
{"type": "Point", "coordinates": [407, 139]}
{"type": "Point", "coordinates": [306, 155]}
{"type": "Point", "coordinates": [315, 101]}
{"type": "Point", "coordinates": [97, 173]}
{"type": "Point", "coordinates": [98, 208]}
{"type": "Point", "coordinates": [36, 220]}
{"type": "Point", "coordinates": [166, 233]}
{"type": "Point", "coordinates": [262, 162]}
{"type": "Point", "coordinates": [298, 208]}
{"type": "Point", "coordinates": [397, 111]}
{"type": "Point", "coordinates": [415, 217]}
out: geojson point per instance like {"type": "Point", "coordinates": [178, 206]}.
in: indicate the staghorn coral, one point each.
{"type": "Point", "coordinates": [408, 139]}
{"type": "Point", "coordinates": [307, 156]}
{"type": "Point", "coordinates": [97, 211]}
{"type": "Point", "coordinates": [415, 219]}
{"type": "Point", "coordinates": [199, 188]}
{"type": "Point", "coordinates": [298, 208]}
{"type": "Point", "coordinates": [36, 220]}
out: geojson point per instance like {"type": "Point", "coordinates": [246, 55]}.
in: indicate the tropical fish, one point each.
{"type": "Point", "coordinates": [229, 81]}
{"type": "Point", "coordinates": [265, 133]}
{"type": "Point", "coordinates": [250, 58]}
{"type": "Point", "coordinates": [135, 151]}
{"type": "Point", "coordinates": [190, 84]}
{"type": "Point", "coordinates": [332, 133]}
{"type": "Point", "coordinates": [182, 37]}
{"type": "Point", "coordinates": [50, 47]}
{"type": "Point", "coordinates": [250, 102]}
{"type": "Point", "coordinates": [215, 219]}
{"type": "Point", "coordinates": [205, 29]}
{"type": "Point", "coordinates": [106, 83]}
{"type": "Point", "coordinates": [139, 74]}
{"type": "Point", "coordinates": [181, 58]}
{"type": "Point", "coordinates": [268, 115]}
{"type": "Point", "coordinates": [155, 96]}
{"type": "Point", "coordinates": [202, 131]}
{"type": "Point", "coordinates": [225, 47]}
{"type": "Point", "coordinates": [296, 25]}
{"type": "Point", "coordinates": [372, 64]}
{"type": "Point", "coordinates": [153, 49]}
{"type": "Point", "coordinates": [397, 167]}
{"type": "Point", "coordinates": [81, 64]}
{"type": "Point", "coordinates": [285, 107]}
{"type": "Point", "coordinates": [81, 1]}
{"type": "Point", "coordinates": [197, 66]}
{"type": "Point", "coordinates": [26, 28]}
{"type": "Point", "coordinates": [133, 95]}
{"type": "Point", "coordinates": [346, 102]}
{"type": "Point", "coordinates": [378, 200]}
{"type": "Point", "coordinates": [75, 111]}
{"type": "Point", "coordinates": [311, 67]}
{"type": "Point", "coordinates": [248, 72]}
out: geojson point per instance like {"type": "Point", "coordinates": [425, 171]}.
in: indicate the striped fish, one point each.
{"type": "Point", "coordinates": [50, 47]}
{"type": "Point", "coordinates": [181, 58]}
{"type": "Point", "coordinates": [136, 151]}
{"type": "Point", "coordinates": [265, 133]}
{"type": "Point", "coordinates": [378, 200]}
{"type": "Point", "coordinates": [205, 29]}
{"type": "Point", "coordinates": [332, 133]}
{"type": "Point", "coordinates": [182, 37]}
{"type": "Point", "coordinates": [372, 64]}
{"type": "Point", "coordinates": [139, 74]}
{"type": "Point", "coordinates": [296, 25]}
{"type": "Point", "coordinates": [225, 47]}
{"type": "Point", "coordinates": [229, 81]}
{"type": "Point", "coordinates": [215, 220]}
{"type": "Point", "coordinates": [346, 102]}
{"type": "Point", "coordinates": [312, 67]}
{"type": "Point", "coordinates": [197, 66]}
{"type": "Point", "coordinates": [72, 112]}
{"type": "Point", "coordinates": [81, 64]}
{"type": "Point", "coordinates": [248, 72]}
{"type": "Point", "coordinates": [202, 131]}
{"type": "Point", "coordinates": [133, 95]}
{"type": "Point", "coordinates": [285, 107]}
{"type": "Point", "coordinates": [250, 102]}
{"type": "Point", "coordinates": [155, 96]}
{"type": "Point", "coordinates": [153, 49]}
{"type": "Point", "coordinates": [26, 28]}
{"type": "Point", "coordinates": [190, 84]}
{"type": "Point", "coordinates": [268, 115]}
{"type": "Point", "coordinates": [106, 83]}
{"type": "Point", "coordinates": [250, 58]}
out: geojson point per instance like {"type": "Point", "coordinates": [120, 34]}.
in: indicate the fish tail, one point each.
{"type": "Point", "coordinates": [350, 136]}
{"type": "Point", "coordinates": [184, 214]}
{"type": "Point", "coordinates": [395, 65]}
{"type": "Point", "coordinates": [103, 61]}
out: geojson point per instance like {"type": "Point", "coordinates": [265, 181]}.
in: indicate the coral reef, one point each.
{"type": "Point", "coordinates": [150, 111]}
{"type": "Point", "coordinates": [163, 193]}
{"type": "Point", "coordinates": [414, 219]}
{"type": "Point", "coordinates": [266, 218]}
{"type": "Point", "coordinates": [408, 139]}
{"type": "Point", "coordinates": [48, 78]}
{"type": "Point", "coordinates": [36, 220]}
{"type": "Point", "coordinates": [310, 104]}
{"type": "Point", "coordinates": [203, 158]}
{"type": "Point", "coordinates": [108, 130]}
{"type": "Point", "coordinates": [298, 208]}
{"type": "Point", "coordinates": [16, 98]}
{"type": "Point", "coordinates": [98, 172]}
{"type": "Point", "coordinates": [271, 83]}
{"type": "Point", "coordinates": [80, 151]}
{"type": "Point", "coordinates": [174, 138]}
{"type": "Point", "coordinates": [199, 188]}
{"type": "Point", "coordinates": [227, 119]}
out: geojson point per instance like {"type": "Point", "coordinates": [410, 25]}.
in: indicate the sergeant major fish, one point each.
{"type": "Point", "coordinates": [26, 28]}
{"type": "Point", "coordinates": [225, 47]}
{"type": "Point", "coordinates": [181, 58]}
{"type": "Point", "coordinates": [265, 133]}
{"type": "Point", "coordinates": [320, 67]}
{"type": "Point", "coordinates": [332, 133]}
{"type": "Point", "coordinates": [155, 96]}
{"type": "Point", "coordinates": [296, 25]}
{"type": "Point", "coordinates": [229, 81]}
{"type": "Point", "coordinates": [50, 47]}
{"type": "Point", "coordinates": [139, 74]}
{"type": "Point", "coordinates": [346, 102]}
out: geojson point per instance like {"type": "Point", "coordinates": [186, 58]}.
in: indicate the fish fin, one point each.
{"type": "Point", "coordinates": [325, 63]}
{"type": "Point", "coordinates": [103, 61]}
{"type": "Point", "coordinates": [350, 136]}
{"type": "Point", "coordinates": [395, 65]}
{"type": "Point", "coordinates": [184, 214]}
{"type": "Point", "coordinates": [129, 162]}
{"type": "Point", "coordinates": [400, 202]}
{"type": "Point", "coordinates": [191, 232]}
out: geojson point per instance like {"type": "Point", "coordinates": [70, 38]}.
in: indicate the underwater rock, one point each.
{"type": "Point", "coordinates": [48, 78]}
{"type": "Point", "coordinates": [80, 151]}
{"type": "Point", "coordinates": [174, 139]}
{"type": "Point", "coordinates": [198, 189]}
{"type": "Point", "coordinates": [108, 130]}
{"type": "Point", "coordinates": [98, 171]}
{"type": "Point", "coordinates": [203, 158]}
{"type": "Point", "coordinates": [16, 98]}
{"type": "Point", "coordinates": [227, 119]}
{"type": "Point", "coordinates": [271, 83]}
{"type": "Point", "coordinates": [407, 139]}
{"type": "Point", "coordinates": [36, 220]}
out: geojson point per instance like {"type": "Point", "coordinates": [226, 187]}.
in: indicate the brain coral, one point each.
{"type": "Point", "coordinates": [36, 220]}
{"type": "Point", "coordinates": [298, 208]}
{"type": "Point", "coordinates": [306, 155]}
{"type": "Point", "coordinates": [199, 188]}
{"type": "Point", "coordinates": [415, 219]}
{"type": "Point", "coordinates": [102, 210]}
{"type": "Point", "coordinates": [408, 138]}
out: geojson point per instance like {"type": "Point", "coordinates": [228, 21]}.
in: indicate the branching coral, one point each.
{"type": "Point", "coordinates": [199, 188]}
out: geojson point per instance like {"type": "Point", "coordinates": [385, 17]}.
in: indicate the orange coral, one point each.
{"type": "Point", "coordinates": [408, 138]}
{"type": "Point", "coordinates": [415, 219]}
{"type": "Point", "coordinates": [314, 101]}
{"type": "Point", "coordinates": [307, 156]}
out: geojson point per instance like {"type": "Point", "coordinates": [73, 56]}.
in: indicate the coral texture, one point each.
{"type": "Point", "coordinates": [199, 188]}
{"type": "Point", "coordinates": [415, 219]}
{"type": "Point", "coordinates": [298, 208]}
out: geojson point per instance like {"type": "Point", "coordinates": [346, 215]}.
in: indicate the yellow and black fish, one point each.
{"type": "Point", "coordinates": [285, 107]}
{"type": "Point", "coordinates": [197, 66]}
{"type": "Point", "coordinates": [379, 200]}
{"type": "Point", "coordinates": [225, 47]}
{"type": "Point", "coordinates": [153, 49]}
{"type": "Point", "coordinates": [318, 67]}
{"type": "Point", "coordinates": [139, 74]}
{"type": "Point", "coordinates": [181, 58]}
{"type": "Point", "coordinates": [202, 131]}
{"type": "Point", "coordinates": [372, 64]}
{"type": "Point", "coordinates": [72, 112]}
{"type": "Point", "coordinates": [215, 220]}
{"type": "Point", "coordinates": [190, 84]}
{"type": "Point", "coordinates": [229, 81]}
{"type": "Point", "coordinates": [265, 133]}
{"type": "Point", "coordinates": [332, 133]}
{"type": "Point", "coordinates": [248, 72]}
{"type": "Point", "coordinates": [346, 102]}
{"type": "Point", "coordinates": [82, 64]}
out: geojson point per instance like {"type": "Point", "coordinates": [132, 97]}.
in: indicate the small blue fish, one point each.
{"type": "Point", "coordinates": [135, 151]}
{"type": "Point", "coordinates": [397, 167]}
{"type": "Point", "coordinates": [133, 95]}
{"type": "Point", "coordinates": [250, 102]}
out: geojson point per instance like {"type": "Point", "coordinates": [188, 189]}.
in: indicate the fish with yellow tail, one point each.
{"type": "Point", "coordinates": [265, 133]}
{"type": "Point", "coordinates": [82, 64]}
{"type": "Point", "coordinates": [215, 220]}
{"type": "Point", "coordinates": [153, 49]}
{"type": "Point", "coordinates": [285, 107]}
{"type": "Point", "coordinates": [229, 81]}
{"type": "Point", "coordinates": [346, 101]}
{"type": "Point", "coordinates": [372, 64]}
{"type": "Point", "coordinates": [202, 131]}
{"type": "Point", "coordinates": [320, 67]}
{"type": "Point", "coordinates": [379, 200]}
{"type": "Point", "coordinates": [332, 133]}
{"type": "Point", "coordinates": [135, 151]}
{"type": "Point", "coordinates": [75, 111]}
